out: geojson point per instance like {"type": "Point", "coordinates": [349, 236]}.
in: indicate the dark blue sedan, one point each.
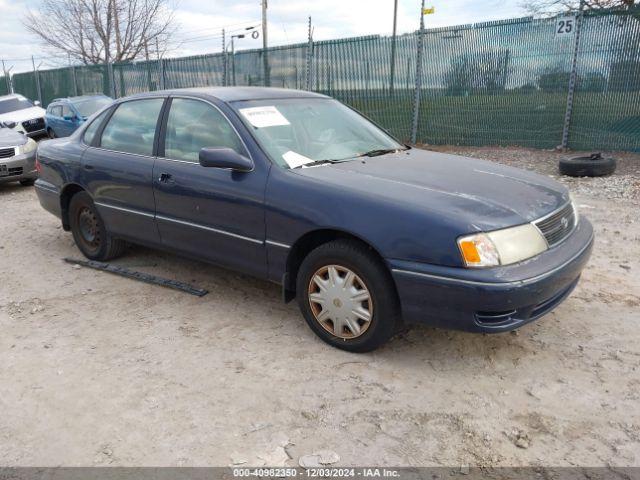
{"type": "Point", "coordinates": [294, 187]}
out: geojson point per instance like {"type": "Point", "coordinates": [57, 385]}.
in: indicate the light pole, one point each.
{"type": "Point", "coordinates": [233, 53]}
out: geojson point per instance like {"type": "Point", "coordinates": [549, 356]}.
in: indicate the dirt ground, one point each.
{"type": "Point", "coordinates": [101, 370]}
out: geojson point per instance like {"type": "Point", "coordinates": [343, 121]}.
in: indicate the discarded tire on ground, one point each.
{"type": "Point", "coordinates": [595, 165]}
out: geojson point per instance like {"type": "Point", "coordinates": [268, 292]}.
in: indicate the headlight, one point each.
{"type": "Point", "coordinates": [501, 247]}
{"type": "Point", "coordinates": [28, 147]}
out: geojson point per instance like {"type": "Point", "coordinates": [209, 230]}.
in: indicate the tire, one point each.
{"type": "Point", "coordinates": [51, 133]}
{"type": "Point", "coordinates": [27, 183]}
{"type": "Point", "coordinates": [593, 166]}
{"type": "Point", "coordinates": [363, 273]}
{"type": "Point", "coordinates": [89, 231]}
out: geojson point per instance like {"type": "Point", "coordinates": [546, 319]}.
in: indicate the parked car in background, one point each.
{"type": "Point", "coordinates": [299, 189]}
{"type": "Point", "coordinates": [22, 115]}
{"type": "Point", "coordinates": [17, 157]}
{"type": "Point", "coordinates": [65, 115]}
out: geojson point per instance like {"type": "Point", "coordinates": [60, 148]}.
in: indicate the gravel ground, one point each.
{"type": "Point", "coordinates": [101, 370]}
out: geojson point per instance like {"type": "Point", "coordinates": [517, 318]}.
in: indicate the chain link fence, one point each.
{"type": "Point", "coordinates": [495, 83]}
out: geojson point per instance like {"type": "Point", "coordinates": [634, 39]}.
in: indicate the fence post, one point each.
{"type": "Point", "coordinates": [37, 77]}
{"type": "Point", "coordinates": [572, 80]}
{"type": "Point", "coordinates": [224, 59]}
{"type": "Point", "coordinates": [309, 55]}
{"type": "Point", "coordinates": [161, 73]}
{"type": "Point", "coordinates": [75, 81]}
{"type": "Point", "coordinates": [418, 86]}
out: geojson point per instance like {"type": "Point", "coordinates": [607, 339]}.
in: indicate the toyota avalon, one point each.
{"type": "Point", "coordinates": [366, 233]}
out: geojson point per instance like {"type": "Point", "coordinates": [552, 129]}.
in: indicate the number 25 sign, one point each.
{"type": "Point", "coordinates": [565, 25]}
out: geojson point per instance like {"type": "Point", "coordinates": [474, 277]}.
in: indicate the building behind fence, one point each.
{"type": "Point", "coordinates": [495, 83]}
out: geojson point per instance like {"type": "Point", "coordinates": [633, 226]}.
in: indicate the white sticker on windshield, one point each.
{"type": "Point", "coordinates": [294, 159]}
{"type": "Point", "coordinates": [261, 117]}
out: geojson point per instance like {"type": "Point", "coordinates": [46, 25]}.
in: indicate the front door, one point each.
{"type": "Point", "coordinates": [118, 170]}
{"type": "Point", "coordinates": [211, 213]}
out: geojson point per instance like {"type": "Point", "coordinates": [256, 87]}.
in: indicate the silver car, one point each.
{"type": "Point", "coordinates": [17, 157]}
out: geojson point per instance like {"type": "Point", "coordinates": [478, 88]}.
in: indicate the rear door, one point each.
{"type": "Point", "coordinates": [212, 213]}
{"type": "Point", "coordinates": [118, 169]}
{"type": "Point", "coordinates": [54, 119]}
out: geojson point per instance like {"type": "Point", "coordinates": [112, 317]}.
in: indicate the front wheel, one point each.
{"type": "Point", "coordinates": [27, 183]}
{"type": "Point", "coordinates": [347, 296]}
{"type": "Point", "coordinates": [89, 231]}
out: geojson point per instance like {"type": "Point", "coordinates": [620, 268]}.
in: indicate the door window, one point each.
{"type": "Point", "coordinates": [66, 111]}
{"type": "Point", "coordinates": [132, 128]}
{"type": "Point", "coordinates": [193, 125]}
{"type": "Point", "coordinates": [56, 111]}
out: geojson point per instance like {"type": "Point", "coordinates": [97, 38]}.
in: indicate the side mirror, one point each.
{"type": "Point", "coordinates": [36, 103]}
{"type": "Point", "coordinates": [225, 158]}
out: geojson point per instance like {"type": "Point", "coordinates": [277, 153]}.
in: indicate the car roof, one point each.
{"type": "Point", "coordinates": [76, 99]}
{"type": "Point", "coordinates": [234, 94]}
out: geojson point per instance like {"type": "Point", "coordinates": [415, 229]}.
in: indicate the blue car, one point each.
{"type": "Point", "coordinates": [65, 115]}
{"type": "Point", "coordinates": [294, 187]}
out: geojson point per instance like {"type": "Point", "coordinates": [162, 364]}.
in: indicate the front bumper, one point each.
{"type": "Point", "coordinates": [20, 167]}
{"type": "Point", "coordinates": [495, 299]}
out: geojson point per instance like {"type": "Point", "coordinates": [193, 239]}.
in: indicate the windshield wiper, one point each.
{"type": "Point", "coordinates": [379, 151]}
{"type": "Point", "coordinates": [317, 162]}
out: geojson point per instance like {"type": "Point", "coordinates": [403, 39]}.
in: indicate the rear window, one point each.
{"type": "Point", "coordinates": [88, 107]}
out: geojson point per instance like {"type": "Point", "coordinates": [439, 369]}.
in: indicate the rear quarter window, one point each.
{"type": "Point", "coordinates": [90, 132]}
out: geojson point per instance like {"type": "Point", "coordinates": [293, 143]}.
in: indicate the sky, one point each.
{"type": "Point", "coordinates": [200, 23]}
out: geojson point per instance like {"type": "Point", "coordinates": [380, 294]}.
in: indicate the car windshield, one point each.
{"type": "Point", "coordinates": [301, 131]}
{"type": "Point", "coordinates": [13, 104]}
{"type": "Point", "coordinates": [88, 107]}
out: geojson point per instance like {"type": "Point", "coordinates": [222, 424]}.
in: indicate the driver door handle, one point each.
{"type": "Point", "coordinates": [166, 178]}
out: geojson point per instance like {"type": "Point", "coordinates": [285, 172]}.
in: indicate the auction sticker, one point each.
{"type": "Point", "coordinates": [294, 159]}
{"type": "Point", "coordinates": [261, 117]}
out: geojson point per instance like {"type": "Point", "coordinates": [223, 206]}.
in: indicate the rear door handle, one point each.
{"type": "Point", "coordinates": [166, 178]}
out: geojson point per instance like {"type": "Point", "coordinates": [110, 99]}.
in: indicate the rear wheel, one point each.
{"type": "Point", "coordinates": [347, 296]}
{"type": "Point", "coordinates": [89, 231]}
{"type": "Point", "coordinates": [51, 133]}
{"type": "Point", "coordinates": [27, 183]}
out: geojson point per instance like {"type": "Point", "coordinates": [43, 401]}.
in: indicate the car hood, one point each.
{"type": "Point", "coordinates": [22, 115]}
{"type": "Point", "coordinates": [11, 138]}
{"type": "Point", "coordinates": [482, 194]}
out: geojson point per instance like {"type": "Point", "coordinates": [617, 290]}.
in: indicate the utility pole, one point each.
{"type": "Point", "coordinates": [416, 94]}
{"type": "Point", "coordinates": [224, 59]}
{"type": "Point", "coordinates": [267, 80]}
{"type": "Point", "coordinates": [393, 47]}
{"type": "Point", "coordinates": [37, 76]}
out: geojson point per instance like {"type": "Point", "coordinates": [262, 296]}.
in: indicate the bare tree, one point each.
{"type": "Point", "coordinates": [551, 7]}
{"type": "Point", "coordinates": [99, 31]}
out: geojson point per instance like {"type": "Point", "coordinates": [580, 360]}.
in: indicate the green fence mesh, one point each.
{"type": "Point", "coordinates": [4, 88]}
{"type": "Point", "coordinates": [494, 83]}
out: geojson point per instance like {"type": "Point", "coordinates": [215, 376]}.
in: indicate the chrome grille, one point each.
{"type": "Point", "coordinates": [33, 125]}
{"type": "Point", "coordinates": [7, 152]}
{"type": "Point", "coordinates": [558, 225]}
